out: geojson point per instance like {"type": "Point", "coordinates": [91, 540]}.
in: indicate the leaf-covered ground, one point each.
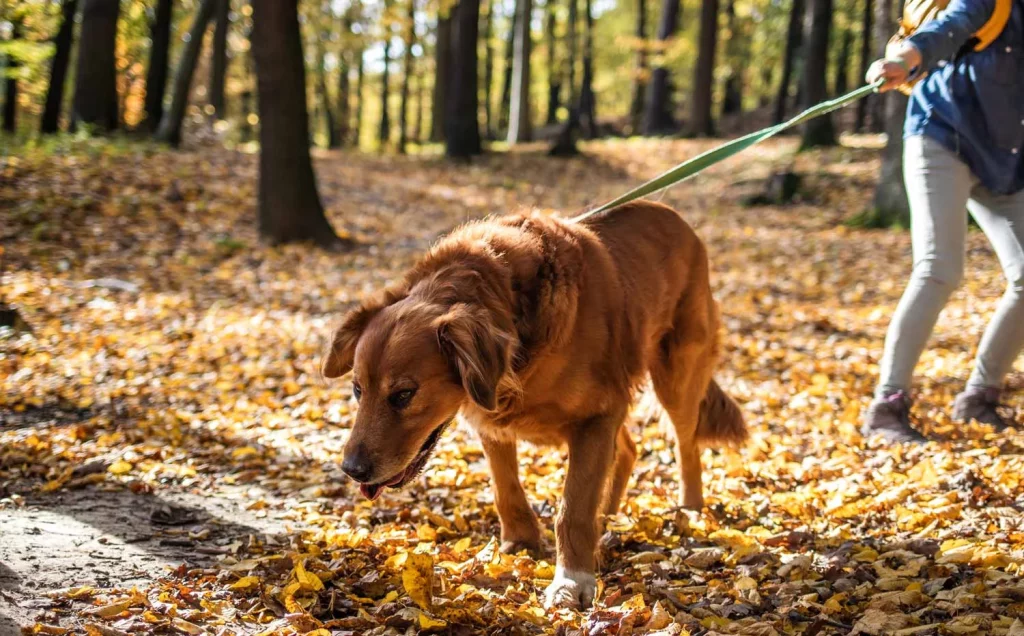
{"type": "Point", "coordinates": [168, 452]}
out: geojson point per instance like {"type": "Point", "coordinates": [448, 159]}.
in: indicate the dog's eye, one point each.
{"type": "Point", "coordinates": [401, 399]}
{"type": "Point", "coordinates": [357, 391]}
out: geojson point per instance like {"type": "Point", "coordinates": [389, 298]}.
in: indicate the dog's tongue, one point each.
{"type": "Point", "coordinates": [372, 491]}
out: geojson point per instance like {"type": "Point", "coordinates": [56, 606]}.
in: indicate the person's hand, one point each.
{"type": "Point", "coordinates": [895, 69]}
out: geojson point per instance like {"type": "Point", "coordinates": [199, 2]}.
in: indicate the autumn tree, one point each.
{"type": "Point", "coordinates": [289, 206]}
{"type": "Point", "coordinates": [505, 109]}
{"type": "Point", "coordinates": [519, 127]}
{"type": "Point", "coordinates": [701, 123]}
{"type": "Point", "coordinates": [384, 131]}
{"type": "Point", "coordinates": [407, 73]}
{"type": "Point", "coordinates": [219, 58]}
{"type": "Point", "coordinates": [732, 101]}
{"type": "Point", "coordinates": [488, 86]}
{"type": "Point", "coordinates": [442, 72]}
{"type": "Point", "coordinates": [819, 131]}
{"type": "Point", "coordinates": [11, 82]}
{"type": "Point", "coordinates": [95, 99]}
{"type": "Point", "coordinates": [169, 130]}
{"type": "Point", "coordinates": [866, 40]}
{"type": "Point", "coordinates": [462, 130]}
{"type": "Point", "coordinates": [659, 117]}
{"type": "Point", "coordinates": [62, 44]}
{"type": "Point", "coordinates": [554, 76]}
{"type": "Point", "coordinates": [636, 104]}
{"type": "Point", "coordinates": [794, 43]}
{"type": "Point", "coordinates": [159, 56]}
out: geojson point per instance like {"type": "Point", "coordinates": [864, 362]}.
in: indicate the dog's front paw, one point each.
{"type": "Point", "coordinates": [571, 588]}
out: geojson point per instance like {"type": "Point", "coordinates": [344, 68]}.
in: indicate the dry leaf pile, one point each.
{"type": "Point", "coordinates": [171, 354]}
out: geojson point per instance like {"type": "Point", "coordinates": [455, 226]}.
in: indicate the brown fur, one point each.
{"type": "Point", "coordinates": [540, 329]}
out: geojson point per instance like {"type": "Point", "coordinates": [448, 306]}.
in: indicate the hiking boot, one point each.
{"type": "Point", "coordinates": [982, 405]}
{"type": "Point", "coordinates": [889, 417]}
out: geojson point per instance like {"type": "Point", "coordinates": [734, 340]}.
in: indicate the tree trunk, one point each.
{"type": "Point", "coordinates": [10, 122]}
{"type": "Point", "coordinates": [570, 47]}
{"type": "Point", "coordinates": [50, 122]}
{"type": "Point", "coordinates": [410, 41]}
{"type": "Point", "coordinates": [417, 134]}
{"type": "Point", "coordinates": [506, 85]}
{"type": "Point", "coordinates": [95, 100]}
{"type": "Point", "coordinates": [488, 71]}
{"type": "Point", "coordinates": [219, 65]}
{"type": "Point", "coordinates": [170, 126]}
{"type": "Point", "coordinates": [384, 133]}
{"type": "Point", "coordinates": [554, 77]}
{"type": "Point", "coordinates": [794, 41]}
{"type": "Point", "coordinates": [333, 140]}
{"type": "Point", "coordinates": [841, 84]}
{"type": "Point", "coordinates": [866, 35]}
{"type": "Point", "coordinates": [885, 26]}
{"type": "Point", "coordinates": [732, 101]}
{"type": "Point", "coordinates": [462, 130]}
{"type": "Point", "coordinates": [344, 96]}
{"type": "Point", "coordinates": [820, 130]}
{"type": "Point", "coordinates": [289, 206]}
{"type": "Point", "coordinates": [357, 129]}
{"type": "Point", "coordinates": [442, 73]}
{"type": "Point", "coordinates": [890, 206]}
{"type": "Point", "coordinates": [658, 117]}
{"type": "Point", "coordinates": [520, 128]}
{"type": "Point", "coordinates": [588, 101]}
{"type": "Point", "coordinates": [701, 123]}
{"type": "Point", "coordinates": [636, 106]}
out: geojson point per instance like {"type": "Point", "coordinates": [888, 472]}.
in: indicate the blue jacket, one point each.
{"type": "Point", "coordinates": [973, 104]}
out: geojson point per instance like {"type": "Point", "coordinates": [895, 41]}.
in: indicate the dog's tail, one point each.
{"type": "Point", "coordinates": [721, 420]}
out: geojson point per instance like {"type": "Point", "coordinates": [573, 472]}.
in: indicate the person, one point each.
{"type": "Point", "coordinates": [963, 143]}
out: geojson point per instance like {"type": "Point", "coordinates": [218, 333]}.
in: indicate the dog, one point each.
{"type": "Point", "coordinates": [541, 329]}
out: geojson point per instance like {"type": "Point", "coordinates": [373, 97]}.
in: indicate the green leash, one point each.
{"type": "Point", "coordinates": [694, 166]}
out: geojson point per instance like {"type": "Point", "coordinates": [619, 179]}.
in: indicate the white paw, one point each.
{"type": "Point", "coordinates": [571, 588]}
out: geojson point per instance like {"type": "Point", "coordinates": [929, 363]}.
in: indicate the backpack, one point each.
{"type": "Point", "coordinates": [917, 12]}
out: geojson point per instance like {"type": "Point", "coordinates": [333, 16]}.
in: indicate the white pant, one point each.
{"type": "Point", "coordinates": [940, 187]}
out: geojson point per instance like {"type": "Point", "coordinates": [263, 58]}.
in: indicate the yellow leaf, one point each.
{"type": "Point", "coordinates": [183, 625]}
{"type": "Point", "coordinates": [111, 609]}
{"type": "Point", "coordinates": [418, 578]}
{"type": "Point", "coordinates": [307, 579]}
{"type": "Point", "coordinates": [462, 544]}
{"type": "Point", "coordinates": [246, 584]}
{"type": "Point", "coordinates": [120, 467]}
{"type": "Point", "coordinates": [426, 622]}
{"type": "Point", "coordinates": [635, 602]}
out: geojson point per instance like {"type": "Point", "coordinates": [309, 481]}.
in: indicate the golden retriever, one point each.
{"type": "Point", "coordinates": [541, 329]}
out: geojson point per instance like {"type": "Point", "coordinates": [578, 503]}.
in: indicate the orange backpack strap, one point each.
{"type": "Point", "coordinates": [995, 25]}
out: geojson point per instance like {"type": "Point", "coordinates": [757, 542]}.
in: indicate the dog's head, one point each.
{"type": "Point", "coordinates": [414, 364]}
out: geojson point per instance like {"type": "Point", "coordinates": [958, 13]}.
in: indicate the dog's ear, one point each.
{"type": "Point", "coordinates": [478, 350]}
{"type": "Point", "coordinates": [339, 358]}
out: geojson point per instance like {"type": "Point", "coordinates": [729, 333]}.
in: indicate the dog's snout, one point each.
{"type": "Point", "coordinates": [358, 466]}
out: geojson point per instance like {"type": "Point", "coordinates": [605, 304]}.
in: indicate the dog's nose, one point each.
{"type": "Point", "coordinates": [358, 467]}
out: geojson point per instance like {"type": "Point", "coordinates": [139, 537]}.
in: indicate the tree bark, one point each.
{"type": "Point", "coordinates": [344, 92]}
{"type": "Point", "coordinates": [95, 100]}
{"type": "Point", "coordinates": [10, 122]}
{"type": "Point", "coordinates": [407, 71]}
{"type": "Point", "coordinates": [462, 130]}
{"type": "Point", "coordinates": [384, 132]}
{"type": "Point", "coordinates": [885, 26]}
{"type": "Point", "coordinates": [219, 65]}
{"type": "Point", "coordinates": [170, 126]}
{"type": "Point", "coordinates": [588, 101]}
{"type": "Point", "coordinates": [570, 47]}
{"type": "Point", "coordinates": [64, 40]}
{"type": "Point", "coordinates": [333, 140]}
{"type": "Point", "coordinates": [794, 41]}
{"type": "Point", "coordinates": [520, 128]}
{"type": "Point", "coordinates": [488, 86]}
{"type": "Point", "coordinates": [506, 85]}
{"type": "Point", "coordinates": [732, 101]}
{"type": "Point", "coordinates": [442, 72]}
{"type": "Point", "coordinates": [890, 206]}
{"type": "Point", "coordinates": [636, 106]}
{"type": "Point", "coordinates": [357, 129]}
{"type": "Point", "coordinates": [820, 130]}
{"type": "Point", "coordinates": [289, 206]}
{"type": "Point", "coordinates": [417, 134]}
{"type": "Point", "coordinates": [866, 35]}
{"type": "Point", "coordinates": [841, 84]}
{"type": "Point", "coordinates": [658, 117]}
{"type": "Point", "coordinates": [554, 77]}
{"type": "Point", "coordinates": [701, 122]}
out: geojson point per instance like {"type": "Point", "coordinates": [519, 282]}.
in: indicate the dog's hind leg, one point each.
{"type": "Point", "coordinates": [625, 458]}
{"type": "Point", "coordinates": [519, 527]}
{"type": "Point", "coordinates": [680, 372]}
